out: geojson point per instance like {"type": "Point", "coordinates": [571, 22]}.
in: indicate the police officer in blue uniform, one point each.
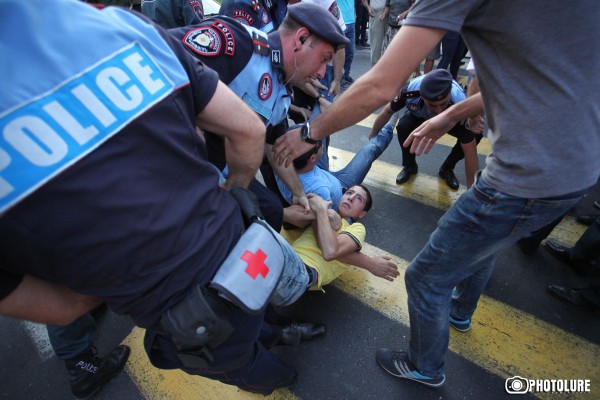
{"type": "Point", "coordinates": [261, 70]}
{"type": "Point", "coordinates": [425, 97]}
{"type": "Point", "coordinates": [265, 15]}
{"type": "Point", "coordinates": [106, 191]}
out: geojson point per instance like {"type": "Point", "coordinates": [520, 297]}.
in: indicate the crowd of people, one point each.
{"type": "Point", "coordinates": [167, 221]}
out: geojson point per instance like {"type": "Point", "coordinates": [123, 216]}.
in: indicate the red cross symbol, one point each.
{"type": "Point", "coordinates": [256, 263]}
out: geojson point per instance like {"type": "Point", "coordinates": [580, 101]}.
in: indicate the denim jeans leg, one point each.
{"type": "Point", "coordinates": [481, 224]}
{"type": "Point", "coordinates": [358, 168]}
{"type": "Point", "coordinates": [349, 55]}
{"type": "Point", "coordinates": [71, 340]}
{"type": "Point", "coordinates": [294, 278]}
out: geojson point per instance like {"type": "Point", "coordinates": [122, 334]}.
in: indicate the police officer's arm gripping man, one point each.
{"type": "Point", "coordinates": [40, 301]}
{"type": "Point", "coordinates": [243, 131]}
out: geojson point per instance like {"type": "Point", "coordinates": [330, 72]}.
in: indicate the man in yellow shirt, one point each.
{"type": "Point", "coordinates": [330, 246]}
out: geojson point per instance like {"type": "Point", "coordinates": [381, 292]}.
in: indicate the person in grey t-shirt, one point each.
{"type": "Point", "coordinates": [545, 145]}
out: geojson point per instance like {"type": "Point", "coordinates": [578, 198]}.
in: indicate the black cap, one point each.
{"type": "Point", "coordinates": [319, 21]}
{"type": "Point", "coordinates": [436, 85]}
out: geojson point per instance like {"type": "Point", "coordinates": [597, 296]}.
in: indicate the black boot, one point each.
{"type": "Point", "coordinates": [89, 373]}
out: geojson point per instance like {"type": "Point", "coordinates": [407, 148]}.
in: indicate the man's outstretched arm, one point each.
{"type": "Point", "coordinates": [378, 86]}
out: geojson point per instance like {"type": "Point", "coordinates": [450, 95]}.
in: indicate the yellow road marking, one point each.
{"type": "Point", "coordinates": [504, 340]}
{"type": "Point", "coordinates": [433, 192]}
{"type": "Point", "coordinates": [483, 148]}
{"type": "Point", "coordinates": [157, 384]}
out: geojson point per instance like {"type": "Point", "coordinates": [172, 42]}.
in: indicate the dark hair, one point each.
{"type": "Point", "coordinates": [301, 161]}
{"type": "Point", "coordinates": [369, 199]}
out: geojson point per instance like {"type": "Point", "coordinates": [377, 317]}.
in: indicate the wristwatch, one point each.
{"type": "Point", "coordinates": [305, 134]}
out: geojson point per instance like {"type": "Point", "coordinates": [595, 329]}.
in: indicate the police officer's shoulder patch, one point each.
{"type": "Point", "coordinates": [243, 16]}
{"type": "Point", "coordinates": [204, 41]}
{"type": "Point", "coordinates": [265, 17]}
{"type": "Point", "coordinates": [334, 9]}
{"type": "Point", "coordinates": [265, 86]}
{"type": "Point", "coordinates": [412, 106]}
{"type": "Point", "coordinates": [229, 44]}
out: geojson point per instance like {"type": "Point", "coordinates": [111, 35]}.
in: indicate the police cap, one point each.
{"type": "Point", "coordinates": [319, 21]}
{"type": "Point", "coordinates": [436, 85]}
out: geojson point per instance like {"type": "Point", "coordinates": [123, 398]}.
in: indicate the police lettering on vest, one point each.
{"type": "Point", "coordinates": [52, 131]}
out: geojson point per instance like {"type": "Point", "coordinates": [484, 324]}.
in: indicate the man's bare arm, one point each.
{"type": "Point", "coordinates": [243, 131]}
{"type": "Point", "coordinates": [380, 266]}
{"type": "Point", "coordinates": [41, 301]}
{"type": "Point", "coordinates": [422, 139]}
{"type": "Point", "coordinates": [382, 119]}
{"type": "Point", "coordinates": [378, 86]}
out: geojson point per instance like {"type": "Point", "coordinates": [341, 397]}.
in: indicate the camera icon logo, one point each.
{"type": "Point", "coordinates": [516, 385]}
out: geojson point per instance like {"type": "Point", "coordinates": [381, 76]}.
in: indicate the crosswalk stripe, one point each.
{"type": "Point", "coordinates": [483, 148]}
{"type": "Point", "coordinates": [39, 338]}
{"type": "Point", "coordinates": [157, 384]}
{"type": "Point", "coordinates": [504, 340]}
{"type": "Point", "coordinates": [433, 192]}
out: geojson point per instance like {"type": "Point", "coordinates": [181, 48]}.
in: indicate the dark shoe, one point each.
{"type": "Point", "coordinates": [298, 331]}
{"type": "Point", "coordinates": [571, 296]}
{"type": "Point", "coordinates": [89, 373]}
{"type": "Point", "coordinates": [398, 364]}
{"type": "Point", "coordinates": [365, 44]}
{"type": "Point", "coordinates": [587, 219]}
{"type": "Point", "coordinates": [563, 254]}
{"type": "Point", "coordinates": [559, 251]}
{"type": "Point", "coordinates": [448, 176]}
{"type": "Point", "coordinates": [405, 174]}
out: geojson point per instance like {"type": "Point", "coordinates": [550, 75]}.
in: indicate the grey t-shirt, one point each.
{"type": "Point", "coordinates": [535, 64]}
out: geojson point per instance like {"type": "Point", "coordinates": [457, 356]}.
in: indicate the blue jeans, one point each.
{"type": "Point", "coordinates": [461, 253]}
{"type": "Point", "coordinates": [349, 32]}
{"type": "Point", "coordinates": [294, 279]}
{"type": "Point", "coordinates": [323, 162]}
{"type": "Point", "coordinates": [71, 340]}
{"type": "Point", "coordinates": [356, 170]}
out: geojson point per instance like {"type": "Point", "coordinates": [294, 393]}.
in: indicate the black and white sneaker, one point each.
{"type": "Point", "coordinates": [398, 364]}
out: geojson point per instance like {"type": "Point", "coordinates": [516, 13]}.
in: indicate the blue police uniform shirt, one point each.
{"type": "Point", "coordinates": [254, 13]}
{"type": "Point", "coordinates": [113, 195]}
{"type": "Point", "coordinates": [250, 63]}
{"type": "Point", "coordinates": [410, 97]}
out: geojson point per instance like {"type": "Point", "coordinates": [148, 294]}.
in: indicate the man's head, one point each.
{"type": "Point", "coordinates": [310, 36]}
{"type": "Point", "coordinates": [355, 202]}
{"type": "Point", "coordinates": [310, 158]}
{"type": "Point", "coordinates": [435, 90]}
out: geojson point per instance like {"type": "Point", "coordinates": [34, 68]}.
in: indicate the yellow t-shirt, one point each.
{"type": "Point", "coordinates": [307, 248]}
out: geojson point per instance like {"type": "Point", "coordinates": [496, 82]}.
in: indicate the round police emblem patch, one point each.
{"type": "Point", "coordinates": [265, 87]}
{"type": "Point", "coordinates": [204, 41]}
{"type": "Point", "coordinates": [335, 10]}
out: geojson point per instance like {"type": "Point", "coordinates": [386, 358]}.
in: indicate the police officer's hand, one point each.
{"type": "Point", "coordinates": [305, 112]}
{"type": "Point", "coordinates": [290, 146]}
{"type": "Point", "coordinates": [317, 84]}
{"type": "Point", "coordinates": [422, 139]}
{"type": "Point", "coordinates": [317, 203]}
{"type": "Point", "coordinates": [301, 200]}
{"type": "Point", "coordinates": [334, 88]}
